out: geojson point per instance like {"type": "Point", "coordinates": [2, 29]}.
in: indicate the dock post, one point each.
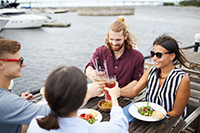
{"type": "Point", "coordinates": [197, 42]}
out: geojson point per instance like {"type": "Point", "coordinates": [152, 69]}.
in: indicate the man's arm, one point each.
{"type": "Point", "coordinates": [90, 73]}
{"type": "Point", "coordinates": [27, 96]}
{"type": "Point", "coordinates": [17, 110]}
{"type": "Point", "coordinates": [136, 76]}
{"type": "Point", "coordinates": [130, 85]}
{"type": "Point", "coordinates": [139, 68]}
{"type": "Point", "coordinates": [131, 92]}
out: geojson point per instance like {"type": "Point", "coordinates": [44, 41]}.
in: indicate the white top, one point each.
{"type": "Point", "coordinates": [117, 124]}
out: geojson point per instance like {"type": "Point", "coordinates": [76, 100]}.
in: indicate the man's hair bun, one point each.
{"type": "Point", "coordinates": [121, 18]}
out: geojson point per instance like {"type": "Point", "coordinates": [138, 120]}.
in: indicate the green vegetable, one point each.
{"type": "Point", "coordinates": [91, 121]}
{"type": "Point", "coordinates": [145, 110]}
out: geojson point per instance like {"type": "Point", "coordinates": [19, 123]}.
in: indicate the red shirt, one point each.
{"type": "Point", "coordinates": [128, 67]}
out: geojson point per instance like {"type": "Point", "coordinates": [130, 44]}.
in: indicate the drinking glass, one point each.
{"type": "Point", "coordinates": [110, 83]}
{"type": "Point", "coordinates": [100, 76]}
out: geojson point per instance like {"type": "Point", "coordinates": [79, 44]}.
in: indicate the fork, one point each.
{"type": "Point", "coordinates": [151, 109]}
{"type": "Point", "coordinates": [135, 105]}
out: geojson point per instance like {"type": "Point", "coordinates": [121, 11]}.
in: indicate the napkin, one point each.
{"type": "Point", "coordinates": [127, 114]}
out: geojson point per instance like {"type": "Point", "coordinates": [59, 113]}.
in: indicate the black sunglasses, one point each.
{"type": "Point", "coordinates": [158, 54]}
{"type": "Point", "coordinates": [21, 61]}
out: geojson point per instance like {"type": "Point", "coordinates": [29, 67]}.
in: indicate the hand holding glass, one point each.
{"type": "Point", "coordinates": [110, 83]}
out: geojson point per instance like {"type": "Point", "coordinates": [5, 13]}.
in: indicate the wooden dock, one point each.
{"type": "Point", "coordinates": [193, 58]}
{"type": "Point", "coordinates": [105, 11]}
{"type": "Point", "coordinates": [56, 24]}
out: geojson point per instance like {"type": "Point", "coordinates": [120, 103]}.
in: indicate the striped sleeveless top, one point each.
{"type": "Point", "coordinates": [165, 96]}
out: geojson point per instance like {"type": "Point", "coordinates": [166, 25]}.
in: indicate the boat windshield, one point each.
{"type": "Point", "coordinates": [13, 13]}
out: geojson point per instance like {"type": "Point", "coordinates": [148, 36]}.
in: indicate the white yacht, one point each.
{"type": "Point", "coordinates": [3, 22]}
{"type": "Point", "coordinates": [20, 19]}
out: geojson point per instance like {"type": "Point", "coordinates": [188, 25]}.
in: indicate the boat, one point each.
{"type": "Point", "coordinates": [20, 19]}
{"type": "Point", "coordinates": [3, 22]}
{"type": "Point", "coordinates": [8, 4]}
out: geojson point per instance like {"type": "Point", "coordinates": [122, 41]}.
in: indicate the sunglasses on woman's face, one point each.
{"type": "Point", "coordinates": [158, 54]}
{"type": "Point", "coordinates": [21, 60]}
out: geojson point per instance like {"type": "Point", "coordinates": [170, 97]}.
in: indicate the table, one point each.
{"type": "Point", "coordinates": [172, 125]}
{"type": "Point", "coordinates": [193, 58]}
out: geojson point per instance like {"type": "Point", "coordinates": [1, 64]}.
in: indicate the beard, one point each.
{"type": "Point", "coordinates": [116, 47]}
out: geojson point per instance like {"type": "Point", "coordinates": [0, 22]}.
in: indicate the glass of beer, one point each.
{"type": "Point", "coordinates": [110, 83]}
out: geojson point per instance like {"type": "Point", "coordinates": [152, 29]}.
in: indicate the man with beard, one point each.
{"type": "Point", "coordinates": [122, 60]}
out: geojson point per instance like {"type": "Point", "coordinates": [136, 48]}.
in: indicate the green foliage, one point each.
{"type": "Point", "coordinates": [190, 3]}
{"type": "Point", "coordinates": [168, 4]}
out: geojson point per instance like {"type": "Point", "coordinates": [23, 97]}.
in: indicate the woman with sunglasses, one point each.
{"type": "Point", "coordinates": [65, 91]}
{"type": "Point", "coordinates": [165, 84]}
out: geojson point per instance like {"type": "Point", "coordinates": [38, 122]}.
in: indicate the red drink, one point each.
{"type": "Point", "coordinates": [109, 84]}
{"type": "Point", "coordinates": [107, 96]}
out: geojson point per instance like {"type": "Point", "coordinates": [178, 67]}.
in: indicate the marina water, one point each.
{"type": "Point", "coordinates": [46, 48]}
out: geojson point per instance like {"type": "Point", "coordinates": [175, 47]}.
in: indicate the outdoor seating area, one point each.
{"type": "Point", "coordinates": [190, 124]}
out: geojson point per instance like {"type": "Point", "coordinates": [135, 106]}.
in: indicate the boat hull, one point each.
{"type": "Point", "coordinates": [25, 21]}
{"type": "Point", "coordinates": [3, 22]}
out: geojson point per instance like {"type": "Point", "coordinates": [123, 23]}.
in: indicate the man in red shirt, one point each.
{"type": "Point", "coordinates": [123, 61]}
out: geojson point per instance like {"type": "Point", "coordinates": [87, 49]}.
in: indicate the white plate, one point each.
{"type": "Point", "coordinates": [134, 111]}
{"type": "Point", "coordinates": [98, 117]}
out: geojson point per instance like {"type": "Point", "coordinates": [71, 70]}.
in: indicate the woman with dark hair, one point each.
{"type": "Point", "coordinates": [165, 84]}
{"type": "Point", "coordinates": [66, 92]}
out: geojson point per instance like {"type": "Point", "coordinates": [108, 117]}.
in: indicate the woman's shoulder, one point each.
{"type": "Point", "coordinates": [151, 69]}
{"type": "Point", "coordinates": [186, 78]}
{"type": "Point", "coordinates": [179, 71]}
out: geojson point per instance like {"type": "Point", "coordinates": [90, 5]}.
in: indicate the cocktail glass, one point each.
{"type": "Point", "coordinates": [100, 76]}
{"type": "Point", "coordinates": [110, 83]}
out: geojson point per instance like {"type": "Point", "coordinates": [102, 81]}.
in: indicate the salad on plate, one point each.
{"type": "Point", "coordinates": [90, 115]}
{"type": "Point", "coordinates": [146, 110]}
